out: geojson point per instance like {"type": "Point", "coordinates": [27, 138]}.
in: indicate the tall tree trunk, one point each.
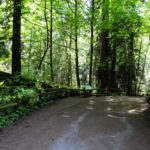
{"type": "Point", "coordinates": [51, 40]}
{"type": "Point", "coordinates": [92, 40]}
{"type": "Point", "coordinates": [104, 60]}
{"type": "Point", "coordinates": [30, 49]}
{"type": "Point", "coordinates": [138, 70]}
{"type": "Point", "coordinates": [104, 72]}
{"type": "Point", "coordinates": [76, 44]}
{"type": "Point", "coordinates": [113, 65]}
{"type": "Point", "coordinates": [47, 36]}
{"type": "Point", "coordinates": [70, 61]}
{"type": "Point", "coordinates": [131, 68]}
{"type": "Point", "coordinates": [16, 40]}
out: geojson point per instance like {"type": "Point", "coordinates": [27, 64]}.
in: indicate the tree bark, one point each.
{"type": "Point", "coordinates": [131, 68]}
{"type": "Point", "coordinates": [113, 66]}
{"type": "Point", "coordinates": [47, 36]}
{"type": "Point", "coordinates": [70, 61]}
{"type": "Point", "coordinates": [29, 53]}
{"type": "Point", "coordinates": [51, 40]}
{"type": "Point", "coordinates": [16, 39]}
{"type": "Point", "coordinates": [92, 41]}
{"type": "Point", "coordinates": [76, 44]}
{"type": "Point", "coordinates": [104, 73]}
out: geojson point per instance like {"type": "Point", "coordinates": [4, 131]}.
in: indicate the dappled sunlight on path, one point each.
{"type": "Point", "coordinates": [94, 123]}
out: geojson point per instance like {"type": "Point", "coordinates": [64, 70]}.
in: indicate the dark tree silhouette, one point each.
{"type": "Point", "coordinates": [16, 40]}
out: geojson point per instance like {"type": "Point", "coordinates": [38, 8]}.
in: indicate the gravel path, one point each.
{"type": "Point", "coordinates": [96, 123]}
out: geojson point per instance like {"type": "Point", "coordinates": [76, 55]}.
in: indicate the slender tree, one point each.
{"type": "Point", "coordinates": [76, 43]}
{"type": "Point", "coordinates": [30, 49]}
{"type": "Point", "coordinates": [92, 40]}
{"type": "Point", "coordinates": [51, 39]}
{"type": "Point", "coordinates": [47, 45]}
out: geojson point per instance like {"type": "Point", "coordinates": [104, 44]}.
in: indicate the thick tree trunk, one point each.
{"type": "Point", "coordinates": [92, 41]}
{"type": "Point", "coordinates": [104, 71]}
{"type": "Point", "coordinates": [104, 60]}
{"type": "Point", "coordinates": [76, 44]}
{"type": "Point", "coordinates": [113, 66]}
{"type": "Point", "coordinates": [16, 40]}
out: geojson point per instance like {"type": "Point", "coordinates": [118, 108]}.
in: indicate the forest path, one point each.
{"type": "Point", "coordinates": [95, 123]}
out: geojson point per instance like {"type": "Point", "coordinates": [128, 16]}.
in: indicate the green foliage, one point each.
{"type": "Point", "coordinates": [125, 16]}
{"type": "Point", "coordinates": [11, 115]}
{"type": "Point", "coordinates": [18, 95]}
{"type": "Point", "coordinates": [24, 96]}
{"type": "Point", "coordinates": [120, 18]}
{"type": "Point", "coordinates": [15, 102]}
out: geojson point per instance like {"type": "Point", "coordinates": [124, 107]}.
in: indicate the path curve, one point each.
{"type": "Point", "coordinates": [96, 123]}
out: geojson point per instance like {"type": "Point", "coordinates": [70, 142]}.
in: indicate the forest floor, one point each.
{"type": "Point", "coordinates": [95, 123]}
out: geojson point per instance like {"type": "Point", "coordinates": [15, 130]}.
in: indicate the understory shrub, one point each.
{"type": "Point", "coordinates": [16, 102]}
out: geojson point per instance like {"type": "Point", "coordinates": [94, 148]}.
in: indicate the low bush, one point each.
{"type": "Point", "coordinates": [16, 102]}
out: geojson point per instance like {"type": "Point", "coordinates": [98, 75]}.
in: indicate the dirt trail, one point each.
{"type": "Point", "coordinates": [96, 123]}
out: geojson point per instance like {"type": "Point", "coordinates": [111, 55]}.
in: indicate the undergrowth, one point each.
{"type": "Point", "coordinates": [17, 101]}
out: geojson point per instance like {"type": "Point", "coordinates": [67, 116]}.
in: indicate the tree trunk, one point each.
{"type": "Point", "coordinates": [29, 53]}
{"type": "Point", "coordinates": [131, 68]}
{"type": "Point", "coordinates": [51, 40]}
{"type": "Point", "coordinates": [70, 62]}
{"type": "Point", "coordinates": [138, 69]}
{"type": "Point", "coordinates": [47, 36]}
{"type": "Point", "coordinates": [113, 66]}
{"type": "Point", "coordinates": [104, 72]}
{"type": "Point", "coordinates": [92, 41]}
{"type": "Point", "coordinates": [16, 40]}
{"type": "Point", "coordinates": [76, 44]}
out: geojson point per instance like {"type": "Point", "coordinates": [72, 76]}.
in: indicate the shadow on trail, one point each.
{"type": "Point", "coordinates": [127, 106]}
{"type": "Point", "coordinates": [95, 123]}
{"type": "Point", "coordinates": [135, 115]}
